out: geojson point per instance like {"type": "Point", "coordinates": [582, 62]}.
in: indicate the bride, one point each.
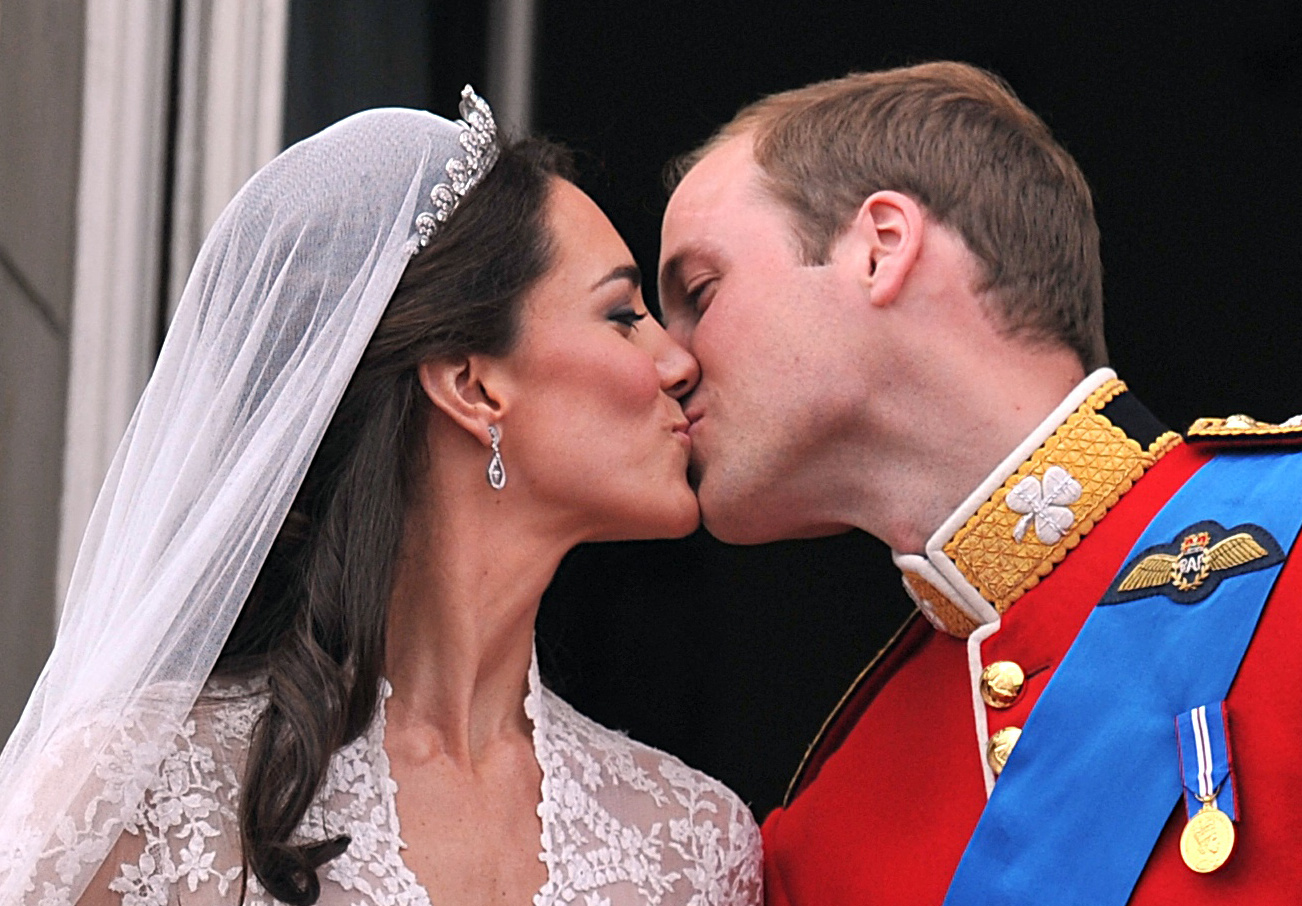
{"type": "Point", "coordinates": [411, 369]}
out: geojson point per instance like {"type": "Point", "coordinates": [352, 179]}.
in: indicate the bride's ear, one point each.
{"type": "Point", "coordinates": [466, 390]}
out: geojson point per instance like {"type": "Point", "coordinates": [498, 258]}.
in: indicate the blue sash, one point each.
{"type": "Point", "coordinates": [1096, 773]}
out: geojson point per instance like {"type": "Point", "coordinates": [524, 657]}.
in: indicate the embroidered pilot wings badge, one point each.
{"type": "Point", "coordinates": [1190, 568]}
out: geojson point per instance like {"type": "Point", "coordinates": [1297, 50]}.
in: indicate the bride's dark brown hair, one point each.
{"type": "Point", "coordinates": [314, 622]}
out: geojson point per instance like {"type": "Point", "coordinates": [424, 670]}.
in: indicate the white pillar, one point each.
{"type": "Point", "coordinates": [231, 113]}
{"type": "Point", "coordinates": [231, 68]}
{"type": "Point", "coordinates": [115, 285]}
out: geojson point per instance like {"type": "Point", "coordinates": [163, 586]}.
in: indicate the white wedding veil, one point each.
{"type": "Point", "coordinates": [282, 301]}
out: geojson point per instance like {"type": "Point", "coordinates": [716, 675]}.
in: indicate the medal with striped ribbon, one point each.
{"type": "Point", "coordinates": [1205, 769]}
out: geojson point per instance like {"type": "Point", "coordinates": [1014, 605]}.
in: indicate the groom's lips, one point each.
{"type": "Point", "coordinates": [682, 430]}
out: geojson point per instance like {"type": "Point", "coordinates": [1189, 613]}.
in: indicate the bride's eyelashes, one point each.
{"type": "Point", "coordinates": [628, 317]}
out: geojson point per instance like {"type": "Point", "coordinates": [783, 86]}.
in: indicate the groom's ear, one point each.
{"type": "Point", "coordinates": [887, 235]}
{"type": "Point", "coordinates": [466, 389]}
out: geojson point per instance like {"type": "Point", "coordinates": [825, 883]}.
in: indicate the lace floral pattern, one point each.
{"type": "Point", "coordinates": [622, 823]}
{"type": "Point", "coordinates": [625, 824]}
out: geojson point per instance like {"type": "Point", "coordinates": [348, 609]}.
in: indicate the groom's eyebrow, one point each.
{"type": "Point", "coordinates": [627, 272]}
{"type": "Point", "coordinates": [669, 273]}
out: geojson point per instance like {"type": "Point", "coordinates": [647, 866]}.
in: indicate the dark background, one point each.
{"type": "Point", "coordinates": [1185, 117]}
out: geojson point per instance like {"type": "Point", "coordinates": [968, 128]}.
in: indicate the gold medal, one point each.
{"type": "Point", "coordinates": [1207, 840]}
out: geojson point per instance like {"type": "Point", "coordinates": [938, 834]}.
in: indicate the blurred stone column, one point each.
{"type": "Point", "coordinates": [511, 42]}
{"type": "Point", "coordinates": [125, 126]}
{"type": "Point", "coordinates": [41, 56]}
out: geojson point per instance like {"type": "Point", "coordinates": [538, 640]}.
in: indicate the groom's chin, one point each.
{"type": "Point", "coordinates": [731, 509]}
{"type": "Point", "coordinates": [746, 516]}
{"type": "Point", "coordinates": [723, 518]}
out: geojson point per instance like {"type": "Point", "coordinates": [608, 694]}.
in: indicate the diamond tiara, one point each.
{"type": "Point", "coordinates": [479, 139]}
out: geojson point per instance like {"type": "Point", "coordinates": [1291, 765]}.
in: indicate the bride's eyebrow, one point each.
{"type": "Point", "coordinates": [627, 272]}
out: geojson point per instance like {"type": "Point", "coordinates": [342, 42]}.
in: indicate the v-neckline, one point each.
{"type": "Point", "coordinates": [535, 711]}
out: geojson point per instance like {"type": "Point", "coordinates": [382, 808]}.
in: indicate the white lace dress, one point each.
{"type": "Point", "coordinates": [622, 823]}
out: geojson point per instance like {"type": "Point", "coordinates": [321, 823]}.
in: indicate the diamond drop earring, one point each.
{"type": "Point", "coordinates": [496, 471]}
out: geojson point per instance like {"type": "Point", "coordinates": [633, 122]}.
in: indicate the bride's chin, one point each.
{"type": "Point", "coordinates": [683, 515]}
{"type": "Point", "coordinates": [677, 517]}
{"type": "Point", "coordinates": [691, 517]}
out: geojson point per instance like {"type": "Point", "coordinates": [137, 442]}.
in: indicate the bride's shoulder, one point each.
{"type": "Point", "coordinates": [606, 761]}
{"type": "Point", "coordinates": [228, 707]}
{"type": "Point", "coordinates": [155, 724]}
{"type": "Point", "coordinates": [624, 760]}
{"type": "Point", "coordinates": [216, 729]}
{"type": "Point", "coordinates": [657, 816]}
{"type": "Point", "coordinates": [203, 755]}
{"type": "Point", "coordinates": [143, 793]}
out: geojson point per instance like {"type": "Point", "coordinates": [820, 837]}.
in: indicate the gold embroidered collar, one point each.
{"type": "Point", "coordinates": [1036, 506]}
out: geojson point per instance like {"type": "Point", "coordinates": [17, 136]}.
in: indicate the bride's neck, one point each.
{"type": "Point", "coordinates": [467, 585]}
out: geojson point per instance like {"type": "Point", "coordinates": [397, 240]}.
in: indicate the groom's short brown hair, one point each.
{"type": "Point", "coordinates": [957, 140]}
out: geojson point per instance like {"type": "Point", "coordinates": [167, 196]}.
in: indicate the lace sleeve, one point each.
{"type": "Point", "coordinates": [742, 871]}
{"type": "Point", "coordinates": [744, 868]}
{"type": "Point", "coordinates": [181, 844]}
{"type": "Point", "coordinates": [78, 797]}
{"type": "Point", "coordinates": [717, 838]}
{"type": "Point", "coordinates": [743, 883]}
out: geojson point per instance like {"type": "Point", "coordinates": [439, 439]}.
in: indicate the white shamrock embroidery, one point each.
{"type": "Point", "coordinates": [1045, 502]}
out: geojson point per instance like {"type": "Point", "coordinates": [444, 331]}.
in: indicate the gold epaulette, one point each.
{"type": "Point", "coordinates": [1244, 429]}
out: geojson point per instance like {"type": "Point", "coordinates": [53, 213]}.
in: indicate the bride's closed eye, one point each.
{"type": "Point", "coordinates": [628, 317]}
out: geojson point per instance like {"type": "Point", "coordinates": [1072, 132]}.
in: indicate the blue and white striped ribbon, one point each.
{"type": "Point", "coordinates": [1205, 759]}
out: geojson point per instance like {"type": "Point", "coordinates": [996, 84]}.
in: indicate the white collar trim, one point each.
{"type": "Point", "coordinates": [934, 566]}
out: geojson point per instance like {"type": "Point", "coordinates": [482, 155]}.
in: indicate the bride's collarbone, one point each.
{"type": "Point", "coordinates": [470, 826]}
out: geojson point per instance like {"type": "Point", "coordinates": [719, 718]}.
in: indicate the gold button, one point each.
{"type": "Point", "coordinates": [1001, 683]}
{"type": "Point", "coordinates": [1000, 746]}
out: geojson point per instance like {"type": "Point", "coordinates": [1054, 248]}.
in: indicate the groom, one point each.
{"type": "Point", "coordinates": [892, 283]}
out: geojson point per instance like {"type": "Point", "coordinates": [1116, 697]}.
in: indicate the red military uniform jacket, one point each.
{"type": "Point", "coordinates": [883, 807]}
